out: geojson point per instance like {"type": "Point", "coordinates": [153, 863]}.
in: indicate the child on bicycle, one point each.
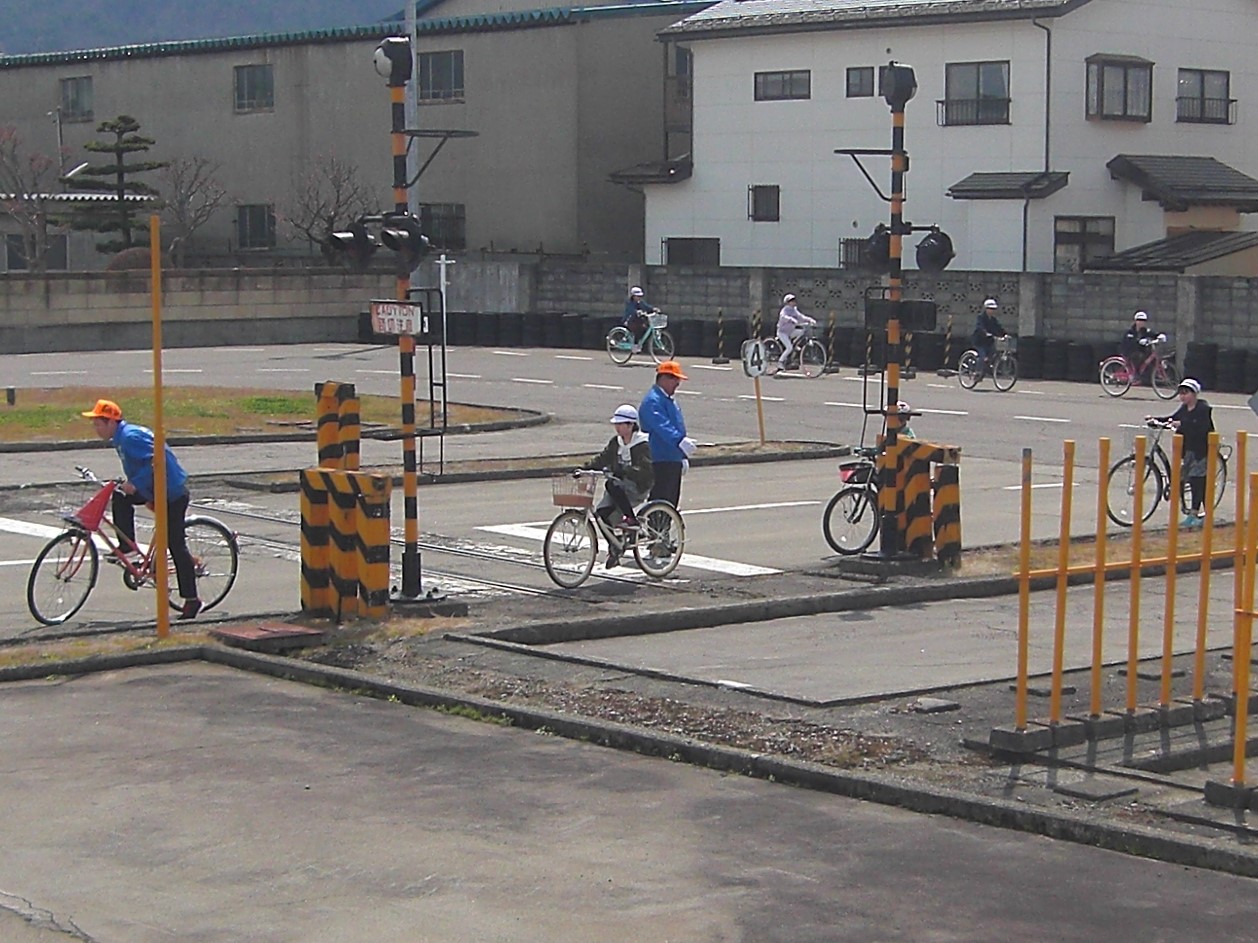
{"type": "Point", "coordinates": [1136, 340]}
{"type": "Point", "coordinates": [1194, 421]}
{"type": "Point", "coordinates": [628, 457]}
{"type": "Point", "coordinates": [134, 445]}
{"type": "Point", "coordinates": [987, 328]}
{"type": "Point", "coordinates": [791, 325]}
{"type": "Point", "coordinates": [635, 316]}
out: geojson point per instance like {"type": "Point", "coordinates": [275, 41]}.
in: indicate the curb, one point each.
{"type": "Point", "coordinates": [884, 789]}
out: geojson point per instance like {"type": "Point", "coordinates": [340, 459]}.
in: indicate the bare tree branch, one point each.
{"type": "Point", "coordinates": [24, 187]}
{"type": "Point", "coordinates": [330, 194]}
{"type": "Point", "coordinates": [192, 194]}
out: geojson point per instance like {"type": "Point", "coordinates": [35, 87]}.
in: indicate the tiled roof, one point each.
{"type": "Point", "coordinates": [1180, 182]}
{"type": "Point", "coordinates": [794, 15]}
{"type": "Point", "coordinates": [1176, 253]}
{"type": "Point", "coordinates": [1019, 185]}
{"type": "Point", "coordinates": [507, 20]}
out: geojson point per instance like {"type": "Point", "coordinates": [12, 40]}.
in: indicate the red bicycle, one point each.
{"type": "Point", "coordinates": [1118, 373]}
{"type": "Point", "coordinates": [65, 571]}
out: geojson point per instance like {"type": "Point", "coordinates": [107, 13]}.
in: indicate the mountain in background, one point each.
{"type": "Point", "coordinates": [28, 26]}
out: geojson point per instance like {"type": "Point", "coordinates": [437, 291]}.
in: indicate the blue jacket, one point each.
{"type": "Point", "coordinates": [134, 445]}
{"type": "Point", "coordinates": [660, 418]}
{"type": "Point", "coordinates": [635, 307]}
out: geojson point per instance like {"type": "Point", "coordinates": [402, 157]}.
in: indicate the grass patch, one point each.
{"type": "Point", "coordinates": [36, 652]}
{"type": "Point", "coordinates": [54, 414]}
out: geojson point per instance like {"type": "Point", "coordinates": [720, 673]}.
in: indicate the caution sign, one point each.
{"type": "Point", "coordinates": [399, 317]}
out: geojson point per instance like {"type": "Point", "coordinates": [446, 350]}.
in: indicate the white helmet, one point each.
{"type": "Point", "coordinates": [788, 298]}
{"type": "Point", "coordinates": [635, 291]}
{"type": "Point", "coordinates": [991, 303]}
{"type": "Point", "coordinates": [624, 413]}
{"type": "Point", "coordinates": [1188, 383]}
{"type": "Point", "coordinates": [1140, 316]}
{"type": "Point", "coordinates": [903, 408]}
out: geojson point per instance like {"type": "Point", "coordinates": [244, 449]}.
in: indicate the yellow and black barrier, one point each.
{"type": "Point", "coordinates": [338, 425]}
{"type": "Point", "coordinates": [344, 543]}
{"type": "Point", "coordinates": [929, 512]}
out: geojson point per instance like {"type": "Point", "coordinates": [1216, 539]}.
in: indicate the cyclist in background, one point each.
{"type": "Point", "coordinates": [1135, 342]}
{"type": "Point", "coordinates": [134, 445]}
{"type": "Point", "coordinates": [791, 324]}
{"type": "Point", "coordinates": [628, 457]}
{"type": "Point", "coordinates": [634, 318]}
{"type": "Point", "coordinates": [1194, 421]}
{"type": "Point", "coordinates": [986, 329]}
{"type": "Point", "coordinates": [904, 409]}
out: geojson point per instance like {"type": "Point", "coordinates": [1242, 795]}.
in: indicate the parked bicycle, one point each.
{"type": "Point", "coordinates": [1155, 481]}
{"type": "Point", "coordinates": [571, 544]}
{"type": "Point", "coordinates": [808, 355]}
{"type": "Point", "coordinates": [65, 571]}
{"type": "Point", "coordinates": [850, 520]}
{"type": "Point", "coordinates": [1118, 373]}
{"type": "Point", "coordinates": [656, 341]}
{"type": "Point", "coordinates": [1002, 366]}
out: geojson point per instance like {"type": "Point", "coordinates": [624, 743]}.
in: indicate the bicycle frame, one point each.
{"type": "Point", "coordinates": [88, 520]}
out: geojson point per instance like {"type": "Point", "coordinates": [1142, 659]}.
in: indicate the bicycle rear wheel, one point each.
{"type": "Point", "coordinates": [569, 549]}
{"type": "Point", "coordinates": [1120, 490]}
{"type": "Point", "coordinates": [1005, 371]}
{"type": "Point", "coordinates": [850, 520]}
{"type": "Point", "coordinates": [1220, 485]}
{"type": "Point", "coordinates": [216, 556]}
{"type": "Point", "coordinates": [619, 345]}
{"type": "Point", "coordinates": [812, 359]}
{"type": "Point", "coordinates": [968, 373]}
{"type": "Point", "coordinates": [660, 540]}
{"type": "Point", "coordinates": [1165, 377]}
{"type": "Point", "coordinates": [662, 347]}
{"type": "Point", "coordinates": [62, 577]}
{"type": "Point", "coordinates": [1115, 376]}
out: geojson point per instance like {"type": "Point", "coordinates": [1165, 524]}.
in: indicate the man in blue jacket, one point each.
{"type": "Point", "coordinates": [660, 418]}
{"type": "Point", "coordinates": [134, 445]}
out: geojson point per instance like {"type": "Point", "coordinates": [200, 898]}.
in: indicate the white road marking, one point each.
{"type": "Point", "coordinates": [464, 376]}
{"type": "Point", "coordinates": [28, 529]}
{"type": "Point", "coordinates": [571, 357]}
{"type": "Point", "coordinates": [688, 393]}
{"type": "Point", "coordinates": [708, 366]}
{"type": "Point", "coordinates": [284, 370]}
{"type": "Point", "coordinates": [528, 380]}
{"type": "Point", "coordinates": [58, 373]}
{"type": "Point", "coordinates": [945, 412]}
{"type": "Point", "coordinates": [166, 370]}
{"type": "Point", "coordinates": [16, 562]}
{"type": "Point", "coordinates": [1032, 392]}
{"type": "Point", "coordinates": [1227, 406]}
{"type": "Point", "coordinates": [509, 353]}
{"type": "Point", "coordinates": [849, 405]}
{"type": "Point", "coordinates": [767, 399]}
{"type": "Point", "coordinates": [688, 559]}
{"type": "Point", "coordinates": [1041, 419]}
{"type": "Point", "coordinates": [941, 386]}
{"type": "Point", "coordinates": [601, 386]}
{"type": "Point", "coordinates": [1049, 484]}
{"type": "Point", "coordinates": [751, 507]}
{"type": "Point", "coordinates": [393, 373]}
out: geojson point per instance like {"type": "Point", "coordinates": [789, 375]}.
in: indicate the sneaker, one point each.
{"type": "Point", "coordinates": [1191, 520]}
{"type": "Point", "coordinates": [636, 348]}
{"type": "Point", "coordinates": [613, 558]}
{"type": "Point", "coordinates": [630, 523]}
{"type": "Point", "coordinates": [190, 609]}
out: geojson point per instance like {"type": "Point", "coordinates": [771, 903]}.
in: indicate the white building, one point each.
{"type": "Point", "coordinates": [1044, 133]}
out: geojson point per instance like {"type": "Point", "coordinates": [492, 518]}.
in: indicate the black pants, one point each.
{"type": "Point", "coordinates": [620, 500]}
{"type": "Point", "coordinates": [667, 485]}
{"type": "Point", "coordinates": [124, 506]}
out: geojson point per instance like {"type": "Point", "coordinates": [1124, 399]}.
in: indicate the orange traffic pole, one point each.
{"type": "Point", "coordinates": [1098, 582]}
{"type": "Point", "coordinates": [1063, 563]}
{"type": "Point", "coordinates": [1137, 533]}
{"type": "Point", "coordinates": [157, 553]}
{"type": "Point", "coordinates": [1203, 585]}
{"type": "Point", "coordinates": [1242, 650]}
{"type": "Point", "coordinates": [1024, 593]}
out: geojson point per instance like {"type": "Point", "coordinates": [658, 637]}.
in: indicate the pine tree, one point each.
{"type": "Point", "coordinates": [117, 179]}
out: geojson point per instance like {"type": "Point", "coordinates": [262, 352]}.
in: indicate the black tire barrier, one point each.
{"type": "Point", "coordinates": [1031, 357]}
{"type": "Point", "coordinates": [510, 329]}
{"type": "Point", "coordinates": [710, 340]}
{"type": "Point", "coordinates": [552, 329]}
{"type": "Point", "coordinates": [928, 351]}
{"type": "Point", "coordinates": [533, 330]}
{"type": "Point", "coordinates": [872, 343]}
{"type": "Point", "coordinates": [570, 334]}
{"type": "Point", "coordinates": [1230, 371]}
{"type": "Point", "coordinates": [1251, 371]}
{"type": "Point", "coordinates": [688, 336]}
{"type": "Point", "coordinates": [1201, 363]}
{"type": "Point", "coordinates": [487, 329]}
{"type": "Point", "coordinates": [1055, 363]}
{"type": "Point", "coordinates": [842, 344]}
{"type": "Point", "coordinates": [1079, 361]}
{"type": "Point", "coordinates": [594, 333]}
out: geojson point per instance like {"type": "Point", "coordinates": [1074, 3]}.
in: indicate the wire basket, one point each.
{"type": "Point", "coordinates": [657, 319]}
{"type": "Point", "coordinates": [1009, 343]}
{"type": "Point", "coordinates": [569, 492]}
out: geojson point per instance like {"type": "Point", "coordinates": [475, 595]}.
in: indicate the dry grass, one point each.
{"type": "Point", "coordinates": [54, 414]}
{"type": "Point", "coordinates": [34, 652]}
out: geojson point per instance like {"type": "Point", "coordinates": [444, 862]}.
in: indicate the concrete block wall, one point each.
{"type": "Point", "coordinates": [1229, 312]}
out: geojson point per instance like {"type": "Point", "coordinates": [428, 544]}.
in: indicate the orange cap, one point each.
{"type": "Point", "coordinates": [672, 368]}
{"type": "Point", "coordinates": [105, 409]}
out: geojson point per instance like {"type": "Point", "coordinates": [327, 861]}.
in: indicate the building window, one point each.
{"type": "Point", "coordinates": [441, 75]}
{"type": "Point", "coordinates": [255, 88]}
{"type": "Point", "coordinates": [852, 253]}
{"type": "Point", "coordinates": [76, 99]}
{"type": "Point", "coordinates": [975, 93]}
{"type": "Point", "coordinates": [1120, 88]}
{"type": "Point", "coordinates": [56, 254]}
{"type": "Point", "coordinates": [1203, 97]}
{"type": "Point", "coordinates": [783, 86]}
{"type": "Point", "coordinates": [445, 224]}
{"type": "Point", "coordinates": [255, 226]}
{"type": "Point", "coordinates": [1078, 240]}
{"type": "Point", "coordinates": [681, 250]}
{"type": "Point", "coordinates": [860, 81]}
{"type": "Point", "coordinates": [764, 203]}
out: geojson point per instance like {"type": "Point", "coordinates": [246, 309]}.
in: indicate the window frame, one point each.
{"type": "Point", "coordinates": [979, 108]}
{"type": "Point", "coordinates": [56, 253]}
{"type": "Point", "coordinates": [782, 85]}
{"type": "Point", "coordinates": [246, 228]}
{"type": "Point", "coordinates": [865, 79]}
{"type": "Point", "coordinates": [453, 91]}
{"type": "Point", "coordinates": [247, 100]}
{"type": "Point", "coordinates": [1095, 105]}
{"type": "Point", "coordinates": [696, 250]}
{"type": "Point", "coordinates": [78, 83]}
{"type": "Point", "coordinates": [764, 203]}
{"type": "Point", "coordinates": [1203, 109]}
{"type": "Point", "coordinates": [1080, 238]}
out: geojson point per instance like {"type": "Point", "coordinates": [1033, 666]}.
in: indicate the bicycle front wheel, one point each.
{"type": "Point", "coordinates": [968, 373]}
{"type": "Point", "coordinates": [62, 577]}
{"type": "Point", "coordinates": [662, 346]}
{"type": "Point", "coordinates": [1115, 376]}
{"type": "Point", "coordinates": [812, 359]}
{"type": "Point", "coordinates": [1165, 379]}
{"type": "Point", "coordinates": [850, 521]}
{"type": "Point", "coordinates": [216, 556]}
{"type": "Point", "coordinates": [772, 355]}
{"type": "Point", "coordinates": [1005, 372]}
{"type": "Point", "coordinates": [661, 537]}
{"type": "Point", "coordinates": [619, 345]}
{"type": "Point", "coordinates": [569, 549]}
{"type": "Point", "coordinates": [1121, 487]}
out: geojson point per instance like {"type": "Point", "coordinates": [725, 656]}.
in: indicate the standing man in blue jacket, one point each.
{"type": "Point", "coordinates": [660, 418]}
{"type": "Point", "coordinates": [134, 445]}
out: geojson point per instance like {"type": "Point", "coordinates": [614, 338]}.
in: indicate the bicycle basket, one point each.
{"type": "Point", "coordinates": [856, 473]}
{"type": "Point", "coordinates": [1009, 343]}
{"type": "Point", "coordinates": [90, 514]}
{"type": "Point", "coordinates": [569, 492]}
{"type": "Point", "coordinates": [657, 320]}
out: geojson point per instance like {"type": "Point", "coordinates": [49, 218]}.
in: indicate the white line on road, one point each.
{"type": "Point", "coordinates": [688, 393]}
{"type": "Point", "coordinates": [460, 376]}
{"type": "Point", "coordinates": [571, 357]}
{"type": "Point", "coordinates": [1041, 419]}
{"type": "Point", "coordinates": [284, 370]}
{"type": "Point", "coordinates": [941, 386]}
{"type": "Point", "coordinates": [946, 412]}
{"type": "Point", "coordinates": [1032, 392]}
{"type": "Point", "coordinates": [1048, 484]}
{"type": "Point", "coordinates": [849, 405]}
{"type": "Point", "coordinates": [1227, 406]}
{"type": "Point", "coordinates": [767, 399]}
{"type": "Point", "coordinates": [28, 529]}
{"type": "Point", "coordinates": [393, 373]}
{"type": "Point", "coordinates": [166, 370]}
{"type": "Point", "coordinates": [58, 373]}
{"type": "Point", "coordinates": [16, 562]}
{"type": "Point", "coordinates": [529, 380]}
{"type": "Point", "coordinates": [708, 366]}
{"type": "Point", "coordinates": [751, 507]}
{"type": "Point", "coordinates": [601, 386]}
{"type": "Point", "coordinates": [509, 353]}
